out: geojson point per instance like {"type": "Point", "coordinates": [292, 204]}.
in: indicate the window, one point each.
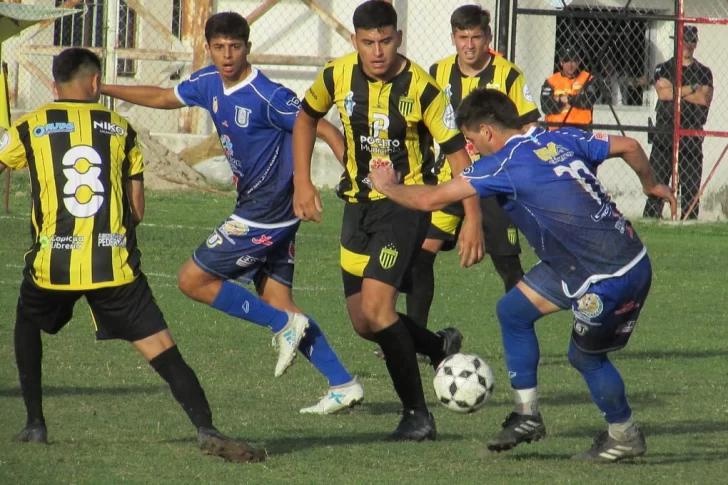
{"type": "Point", "coordinates": [127, 39]}
{"type": "Point", "coordinates": [621, 68]}
{"type": "Point", "coordinates": [87, 30]}
{"type": "Point", "coordinates": [176, 31]}
{"type": "Point", "coordinates": [81, 29]}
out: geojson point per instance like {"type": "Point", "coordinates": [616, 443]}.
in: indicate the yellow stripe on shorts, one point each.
{"type": "Point", "coordinates": [447, 223]}
{"type": "Point", "coordinates": [352, 262]}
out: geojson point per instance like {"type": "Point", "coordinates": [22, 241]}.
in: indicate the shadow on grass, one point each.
{"type": "Point", "coordinates": [666, 428]}
{"type": "Point", "coordinates": [88, 391]}
{"type": "Point", "coordinates": [560, 359]}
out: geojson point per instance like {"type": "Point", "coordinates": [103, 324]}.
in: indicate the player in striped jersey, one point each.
{"type": "Point", "coordinates": [254, 118]}
{"type": "Point", "coordinates": [390, 108]}
{"type": "Point", "coordinates": [86, 178]}
{"type": "Point", "coordinates": [473, 66]}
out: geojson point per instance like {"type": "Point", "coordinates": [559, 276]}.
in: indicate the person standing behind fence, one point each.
{"type": "Point", "coordinates": [696, 94]}
{"type": "Point", "coordinates": [568, 96]}
{"type": "Point", "coordinates": [87, 187]}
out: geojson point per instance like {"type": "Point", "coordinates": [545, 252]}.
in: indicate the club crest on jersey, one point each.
{"type": "Point", "coordinates": [448, 91]}
{"type": "Point", "coordinates": [349, 104]}
{"type": "Point", "coordinates": [553, 153]}
{"type": "Point", "coordinates": [590, 305]}
{"type": "Point", "coordinates": [215, 105]}
{"type": "Point", "coordinates": [448, 118]}
{"type": "Point", "coordinates": [388, 256]}
{"type": "Point", "coordinates": [242, 116]}
{"type": "Point", "coordinates": [405, 105]}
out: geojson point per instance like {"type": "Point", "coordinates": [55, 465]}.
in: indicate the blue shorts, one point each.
{"type": "Point", "coordinates": [604, 316]}
{"type": "Point", "coordinates": [238, 251]}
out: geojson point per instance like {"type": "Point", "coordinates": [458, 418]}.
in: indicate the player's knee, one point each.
{"type": "Point", "coordinates": [583, 362]}
{"type": "Point", "coordinates": [515, 310]}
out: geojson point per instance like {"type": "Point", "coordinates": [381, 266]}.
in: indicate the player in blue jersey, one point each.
{"type": "Point", "coordinates": [254, 118]}
{"type": "Point", "coordinates": [592, 260]}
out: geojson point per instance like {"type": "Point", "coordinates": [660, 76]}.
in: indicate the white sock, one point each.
{"type": "Point", "coordinates": [622, 431]}
{"type": "Point", "coordinates": [526, 401]}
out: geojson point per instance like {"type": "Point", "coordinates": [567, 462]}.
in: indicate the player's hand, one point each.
{"type": "Point", "coordinates": [306, 202]}
{"type": "Point", "coordinates": [664, 192]}
{"type": "Point", "coordinates": [471, 243]}
{"type": "Point", "coordinates": [383, 177]}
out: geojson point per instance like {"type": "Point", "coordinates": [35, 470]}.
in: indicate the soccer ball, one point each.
{"type": "Point", "coordinates": [463, 383]}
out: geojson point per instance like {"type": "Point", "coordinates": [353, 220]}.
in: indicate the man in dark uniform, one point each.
{"type": "Point", "coordinates": [696, 94]}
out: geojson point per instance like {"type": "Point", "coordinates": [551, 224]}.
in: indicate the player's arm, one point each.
{"type": "Point", "coordinates": [135, 188]}
{"type": "Point", "coordinates": [427, 198]}
{"type": "Point", "coordinates": [471, 239]}
{"type": "Point", "coordinates": [632, 152]}
{"type": "Point", "coordinates": [12, 150]}
{"type": "Point", "coordinates": [149, 96]}
{"type": "Point", "coordinates": [317, 102]}
{"type": "Point", "coordinates": [333, 138]}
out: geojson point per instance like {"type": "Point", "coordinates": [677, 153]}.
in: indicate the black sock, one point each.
{"type": "Point", "coordinates": [509, 269]}
{"type": "Point", "coordinates": [401, 362]}
{"type": "Point", "coordinates": [184, 385]}
{"type": "Point", "coordinates": [425, 341]}
{"type": "Point", "coordinates": [28, 356]}
{"type": "Point", "coordinates": [419, 300]}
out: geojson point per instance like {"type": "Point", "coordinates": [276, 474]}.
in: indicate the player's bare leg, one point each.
{"type": "Point", "coordinates": [161, 352]}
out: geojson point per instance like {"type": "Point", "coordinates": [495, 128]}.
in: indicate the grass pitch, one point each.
{"type": "Point", "coordinates": [112, 420]}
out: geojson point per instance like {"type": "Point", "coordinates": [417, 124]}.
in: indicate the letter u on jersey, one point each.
{"type": "Point", "coordinates": [242, 116]}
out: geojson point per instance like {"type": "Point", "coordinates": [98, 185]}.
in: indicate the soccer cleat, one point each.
{"type": "Point", "coordinates": [606, 449]}
{"type": "Point", "coordinates": [414, 426]}
{"type": "Point", "coordinates": [212, 442]}
{"type": "Point", "coordinates": [287, 341]}
{"type": "Point", "coordinates": [517, 429]}
{"type": "Point", "coordinates": [338, 398]}
{"type": "Point", "coordinates": [35, 432]}
{"type": "Point", "coordinates": [452, 342]}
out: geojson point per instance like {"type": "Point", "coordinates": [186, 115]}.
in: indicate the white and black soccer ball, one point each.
{"type": "Point", "coordinates": [463, 383]}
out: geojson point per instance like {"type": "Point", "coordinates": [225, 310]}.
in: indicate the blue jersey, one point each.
{"type": "Point", "coordinates": [254, 120]}
{"type": "Point", "coordinates": [546, 183]}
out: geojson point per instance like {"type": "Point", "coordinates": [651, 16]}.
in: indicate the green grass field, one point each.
{"type": "Point", "coordinates": [111, 419]}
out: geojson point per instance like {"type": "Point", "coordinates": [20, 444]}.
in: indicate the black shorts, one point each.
{"type": "Point", "coordinates": [380, 240]}
{"type": "Point", "coordinates": [501, 236]}
{"type": "Point", "coordinates": [128, 312]}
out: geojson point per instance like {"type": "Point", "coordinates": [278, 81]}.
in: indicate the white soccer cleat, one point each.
{"type": "Point", "coordinates": [338, 398]}
{"type": "Point", "coordinates": [287, 341]}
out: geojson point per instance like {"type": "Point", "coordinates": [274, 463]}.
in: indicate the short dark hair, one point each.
{"type": "Point", "coordinates": [229, 25]}
{"type": "Point", "coordinates": [490, 107]}
{"type": "Point", "coordinates": [375, 14]}
{"type": "Point", "coordinates": [469, 17]}
{"type": "Point", "coordinates": [75, 62]}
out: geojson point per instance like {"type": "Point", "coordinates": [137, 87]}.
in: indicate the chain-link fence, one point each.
{"type": "Point", "coordinates": [629, 48]}
{"type": "Point", "coordinates": [620, 43]}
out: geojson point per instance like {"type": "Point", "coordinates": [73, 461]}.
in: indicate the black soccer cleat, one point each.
{"type": "Point", "coordinates": [517, 429]}
{"type": "Point", "coordinates": [452, 342]}
{"type": "Point", "coordinates": [606, 449]}
{"type": "Point", "coordinates": [212, 442]}
{"type": "Point", "coordinates": [35, 432]}
{"type": "Point", "coordinates": [414, 426]}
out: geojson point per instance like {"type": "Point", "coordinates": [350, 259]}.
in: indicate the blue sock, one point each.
{"type": "Point", "coordinates": [318, 351]}
{"type": "Point", "coordinates": [517, 316]}
{"type": "Point", "coordinates": [239, 302]}
{"type": "Point", "coordinates": [604, 383]}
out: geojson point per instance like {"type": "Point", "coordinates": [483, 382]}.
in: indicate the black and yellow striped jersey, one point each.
{"type": "Point", "coordinates": [80, 157]}
{"type": "Point", "coordinates": [500, 74]}
{"type": "Point", "coordinates": [385, 123]}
